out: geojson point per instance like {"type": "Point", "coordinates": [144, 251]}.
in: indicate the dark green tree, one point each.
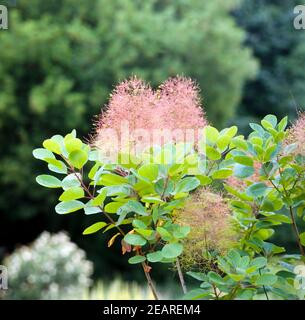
{"type": "Point", "coordinates": [60, 59]}
{"type": "Point", "coordinates": [279, 47]}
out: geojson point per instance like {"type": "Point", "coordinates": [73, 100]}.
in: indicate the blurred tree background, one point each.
{"type": "Point", "coordinates": [60, 60]}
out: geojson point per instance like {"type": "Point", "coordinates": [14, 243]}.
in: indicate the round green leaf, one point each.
{"type": "Point", "coordinates": [257, 189]}
{"type": "Point", "coordinates": [78, 158]}
{"type": "Point", "coordinates": [135, 239]}
{"type": "Point", "coordinates": [149, 171]}
{"type": "Point", "coordinates": [52, 146]}
{"type": "Point", "coordinates": [71, 181]}
{"type": "Point", "coordinates": [73, 144]}
{"type": "Point", "coordinates": [154, 256]}
{"type": "Point", "coordinates": [113, 207]}
{"type": "Point", "coordinates": [222, 174]}
{"type": "Point", "coordinates": [42, 154]}
{"type": "Point", "coordinates": [266, 280]}
{"type": "Point", "coordinates": [187, 184]}
{"type": "Point", "coordinates": [211, 134]}
{"type": "Point", "coordinates": [136, 259]}
{"type": "Point", "coordinates": [72, 194]}
{"type": "Point", "coordinates": [212, 153]}
{"type": "Point", "coordinates": [245, 160]}
{"type": "Point", "coordinates": [172, 250]}
{"type": "Point", "coordinates": [48, 181]}
{"type": "Point", "coordinates": [68, 206]}
{"type": "Point", "coordinates": [242, 171]}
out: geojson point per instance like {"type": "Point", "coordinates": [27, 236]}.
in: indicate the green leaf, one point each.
{"type": "Point", "coordinates": [139, 224]}
{"type": "Point", "coordinates": [78, 158]}
{"type": "Point", "coordinates": [231, 132]}
{"type": "Point", "coordinates": [111, 179]}
{"type": "Point", "coordinates": [149, 199]}
{"type": "Point", "coordinates": [164, 186]}
{"type": "Point", "coordinates": [271, 119]}
{"type": "Point", "coordinates": [89, 209]}
{"type": "Point", "coordinates": [136, 259]}
{"type": "Point", "coordinates": [42, 154]}
{"type": "Point", "coordinates": [154, 256]}
{"type": "Point", "coordinates": [99, 200]}
{"type": "Point", "coordinates": [241, 171]}
{"type": "Point", "coordinates": [48, 181]}
{"type": "Point", "coordinates": [266, 280]}
{"type": "Point", "coordinates": [216, 278]}
{"type": "Point", "coordinates": [212, 153]}
{"type": "Point", "coordinates": [165, 235]}
{"type": "Point", "coordinates": [200, 276]}
{"type": "Point", "coordinates": [135, 239]}
{"type": "Point", "coordinates": [73, 144]}
{"type": "Point", "coordinates": [52, 146]}
{"type": "Point", "coordinates": [72, 194]}
{"type": "Point", "coordinates": [245, 160]}
{"type": "Point", "coordinates": [94, 228]}
{"type": "Point", "coordinates": [68, 206]}
{"type": "Point", "coordinates": [283, 124]}
{"type": "Point", "coordinates": [257, 189]}
{"type": "Point", "coordinates": [187, 184]}
{"type": "Point", "coordinates": [223, 142]}
{"type": "Point", "coordinates": [256, 127]}
{"type": "Point", "coordinates": [211, 134]}
{"type": "Point", "coordinates": [149, 171]}
{"type": "Point", "coordinates": [113, 207]}
{"type": "Point", "coordinates": [264, 234]}
{"type": "Point", "coordinates": [56, 166]}
{"type": "Point", "coordinates": [71, 181]}
{"type": "Point", "coordinates": [259, 262]}
{"type": "Point", "coordinates": [204, 180]}
{"type": "Point", "coordinates": [146, 233]}
{"type": "Point", "coordinates": [222, 174]}
{"type": "Point", "coordinates": [302, 238]}
{"type": "Point", "coordinates": [172, 250]}
{"type": "Point", "coordinates": [134, 206]}
{"type": "Point", "coordinates": [239, 143]}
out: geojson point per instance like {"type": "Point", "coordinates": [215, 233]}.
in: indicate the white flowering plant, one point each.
{"type": "Point", "coordinates": [52, 267]}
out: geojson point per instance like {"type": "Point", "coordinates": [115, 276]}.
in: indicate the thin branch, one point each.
{"type": "Point", "coordinates": [181, 277]}
{"type": "Point", "coordinates": [265, 291]}
{"type": "Point", "coordinates": [150, 282]}
{"type": "Point", "coordinates": [296, 231]}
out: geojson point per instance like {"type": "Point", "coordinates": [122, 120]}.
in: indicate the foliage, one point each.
{"type": "Point", "coordinates": [279, 49]}
{"type": "Point", "coordinates": [53, 267]}
{"type": "Point", "coordinates": [137, 202]}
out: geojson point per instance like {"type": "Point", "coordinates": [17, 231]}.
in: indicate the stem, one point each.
{"type": "Point", "coordinates": [181, 278]}
{"type": "Point", "coordinates": [296, 231]}
{"type": "Point", "coordinates": [265, 291]}
{"type": "Point", "coordinates": [233, 292]}
{"type": "Point", "coordinates": [150, 282]}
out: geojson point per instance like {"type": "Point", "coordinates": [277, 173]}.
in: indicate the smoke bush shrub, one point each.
{"type": "Point", "coordinates": [150, 201]}
{"type": "Point", "coordinates": [52, 267]}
